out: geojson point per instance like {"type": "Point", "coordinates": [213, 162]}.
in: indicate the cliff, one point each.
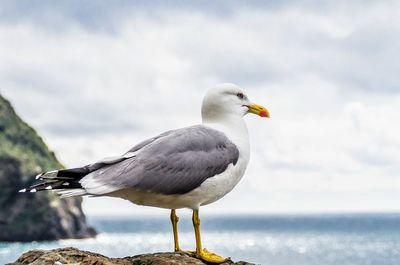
{"type": "Point", "coordinates": [31, 217]}
{"type": "Point", "coordinates": [64, 256]}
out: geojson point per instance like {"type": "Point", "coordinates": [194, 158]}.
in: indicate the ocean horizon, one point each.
{"type": "Point", "coordinates": [356, 239]}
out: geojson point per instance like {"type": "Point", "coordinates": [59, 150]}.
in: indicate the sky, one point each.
{"type": "Point", "coordinates": [96, 77]}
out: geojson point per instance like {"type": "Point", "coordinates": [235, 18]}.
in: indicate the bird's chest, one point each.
{"type": "Point", "coordinates": [218, 186]}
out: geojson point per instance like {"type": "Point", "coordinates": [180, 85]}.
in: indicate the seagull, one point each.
{"type": "Point", "coordinates": [183, 168]}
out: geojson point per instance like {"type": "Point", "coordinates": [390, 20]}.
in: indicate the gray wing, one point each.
{"type": "Point", "coordinates": [175, 162]}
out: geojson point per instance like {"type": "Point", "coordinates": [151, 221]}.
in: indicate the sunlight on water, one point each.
{"type": "Point", "coordinates": [296, 242]}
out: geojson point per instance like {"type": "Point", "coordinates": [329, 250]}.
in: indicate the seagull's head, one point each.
{"type": "Point", "coordinates": [227, 100]}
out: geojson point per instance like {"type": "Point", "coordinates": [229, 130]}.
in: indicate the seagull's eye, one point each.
{"type": "Point", "coordinates": [240, 95]}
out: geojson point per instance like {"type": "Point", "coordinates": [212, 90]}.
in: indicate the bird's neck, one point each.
{"type": "Point", "coordinates": [234, 128]}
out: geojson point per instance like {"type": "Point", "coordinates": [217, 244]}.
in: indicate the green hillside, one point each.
{"type": "Point", "coordinates": [28, 217]}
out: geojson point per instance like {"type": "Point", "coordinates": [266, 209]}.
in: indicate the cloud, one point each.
{"type": "Point", "coordinates": [96, 79]}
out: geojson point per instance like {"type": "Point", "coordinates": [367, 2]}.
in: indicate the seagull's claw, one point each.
{"type": "Point", "coordinates": [211, 257]}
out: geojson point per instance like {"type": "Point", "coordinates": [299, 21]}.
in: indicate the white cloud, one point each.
{"type": "Point", "coordinates": [328, 77]}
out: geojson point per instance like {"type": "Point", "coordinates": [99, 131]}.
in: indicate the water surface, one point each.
{"type": "Point", "coordinates": [356, 239]}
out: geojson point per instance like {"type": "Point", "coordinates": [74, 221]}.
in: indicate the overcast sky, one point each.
{"type": "Point", "coordinates": [95, 77]}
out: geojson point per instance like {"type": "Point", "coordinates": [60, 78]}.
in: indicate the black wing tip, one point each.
{"type": "Point", "coordinates": [53, 185]}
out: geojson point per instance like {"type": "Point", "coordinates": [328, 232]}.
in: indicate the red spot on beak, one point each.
{"type": "Point", "coordinates": [263, 113]}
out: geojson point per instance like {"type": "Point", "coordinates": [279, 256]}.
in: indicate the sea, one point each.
{"type": "Point", "coordinates": [321, 239]}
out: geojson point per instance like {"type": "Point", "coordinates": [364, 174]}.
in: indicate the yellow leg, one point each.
{"type": "Point", "coordinates": [174, 221]}
{"type": "Point", "coordinates": [200, 252]}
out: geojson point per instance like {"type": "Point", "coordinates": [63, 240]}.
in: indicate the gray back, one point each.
{"type": "Point", "coordinates": [174, 162]}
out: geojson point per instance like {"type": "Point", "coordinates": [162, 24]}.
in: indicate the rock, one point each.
{"type": "Point", "coordinates": [25, 216]}
{"type": "Point", "coordinates": [73, 256]}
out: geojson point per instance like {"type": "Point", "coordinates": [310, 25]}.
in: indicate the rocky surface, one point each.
{"type": "Point", "coordinates": [25, 216]}
{"type": "Point", "coordinates": [73, 256]}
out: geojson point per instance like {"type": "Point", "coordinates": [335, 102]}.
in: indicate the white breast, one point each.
{"type": "Point", "coordinates": [218, 186]}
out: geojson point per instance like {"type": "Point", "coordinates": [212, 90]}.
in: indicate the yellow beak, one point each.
{"type": "Point", "coordinates": [259, 110]}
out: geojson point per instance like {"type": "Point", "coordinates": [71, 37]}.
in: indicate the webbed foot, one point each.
{"type": "Point", "coordinates": [211, 257]}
